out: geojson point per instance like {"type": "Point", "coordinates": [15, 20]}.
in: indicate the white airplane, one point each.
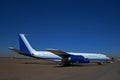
{"type": "Point", "coordinates": [66, 58]}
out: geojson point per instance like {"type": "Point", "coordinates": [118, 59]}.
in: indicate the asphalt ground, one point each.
{"type": "Point", "coordinates": [32, 69]}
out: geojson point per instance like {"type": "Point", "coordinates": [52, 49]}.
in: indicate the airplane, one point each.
{"type": "Point", "coordinates": [65, 58]}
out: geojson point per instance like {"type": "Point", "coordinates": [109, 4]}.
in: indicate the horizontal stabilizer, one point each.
{"type": "Point", "coordinates": [17, 51]}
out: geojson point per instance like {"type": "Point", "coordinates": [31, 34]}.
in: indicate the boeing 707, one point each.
{"type": "Point", "coordinates": [66, 58]}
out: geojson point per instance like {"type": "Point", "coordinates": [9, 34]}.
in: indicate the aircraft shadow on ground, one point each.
{"type": "Point", "coordinates": [78, 65]}
{"type": "Point", "coordinates": [37, 63]}
{"type": "Point", "coordinates": [59, 66]}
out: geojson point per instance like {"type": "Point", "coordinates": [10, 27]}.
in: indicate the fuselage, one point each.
{"type": "Point", "coordinates": [51, 56]}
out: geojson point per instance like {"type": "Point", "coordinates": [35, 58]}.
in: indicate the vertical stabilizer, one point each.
{"type": "Point", "coordinates": [24, 44]}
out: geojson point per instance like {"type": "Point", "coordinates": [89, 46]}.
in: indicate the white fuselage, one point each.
{"type": "Point", "coordinates": [49, 55]}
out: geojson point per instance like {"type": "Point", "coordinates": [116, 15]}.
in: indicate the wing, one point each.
{"type": "Point", "coordinates": [59, 53]}
{"type": "Point", "coordinates": [65, 56]}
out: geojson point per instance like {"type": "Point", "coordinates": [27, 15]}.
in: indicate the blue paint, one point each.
{"type": "Point", "coordinates": [23, 46]}
{"type": "Point", "coordinates": [76, 58]}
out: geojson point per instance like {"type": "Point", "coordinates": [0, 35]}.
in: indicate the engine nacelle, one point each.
{"type": "Point", "coordinates": [74, 58]}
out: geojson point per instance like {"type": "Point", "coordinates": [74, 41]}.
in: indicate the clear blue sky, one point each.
{"type": "Point", "coordinates": [69, 25]}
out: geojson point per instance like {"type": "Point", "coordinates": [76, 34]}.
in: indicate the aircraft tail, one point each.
{"type": "Point", "coordinates": [25, 47]}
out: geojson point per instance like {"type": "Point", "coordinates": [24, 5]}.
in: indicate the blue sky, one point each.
{"type": "Point", "coordinates": [69, 25]}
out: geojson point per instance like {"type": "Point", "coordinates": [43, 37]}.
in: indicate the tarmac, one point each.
{"type": "Point", "coordinates": [33, 69]}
